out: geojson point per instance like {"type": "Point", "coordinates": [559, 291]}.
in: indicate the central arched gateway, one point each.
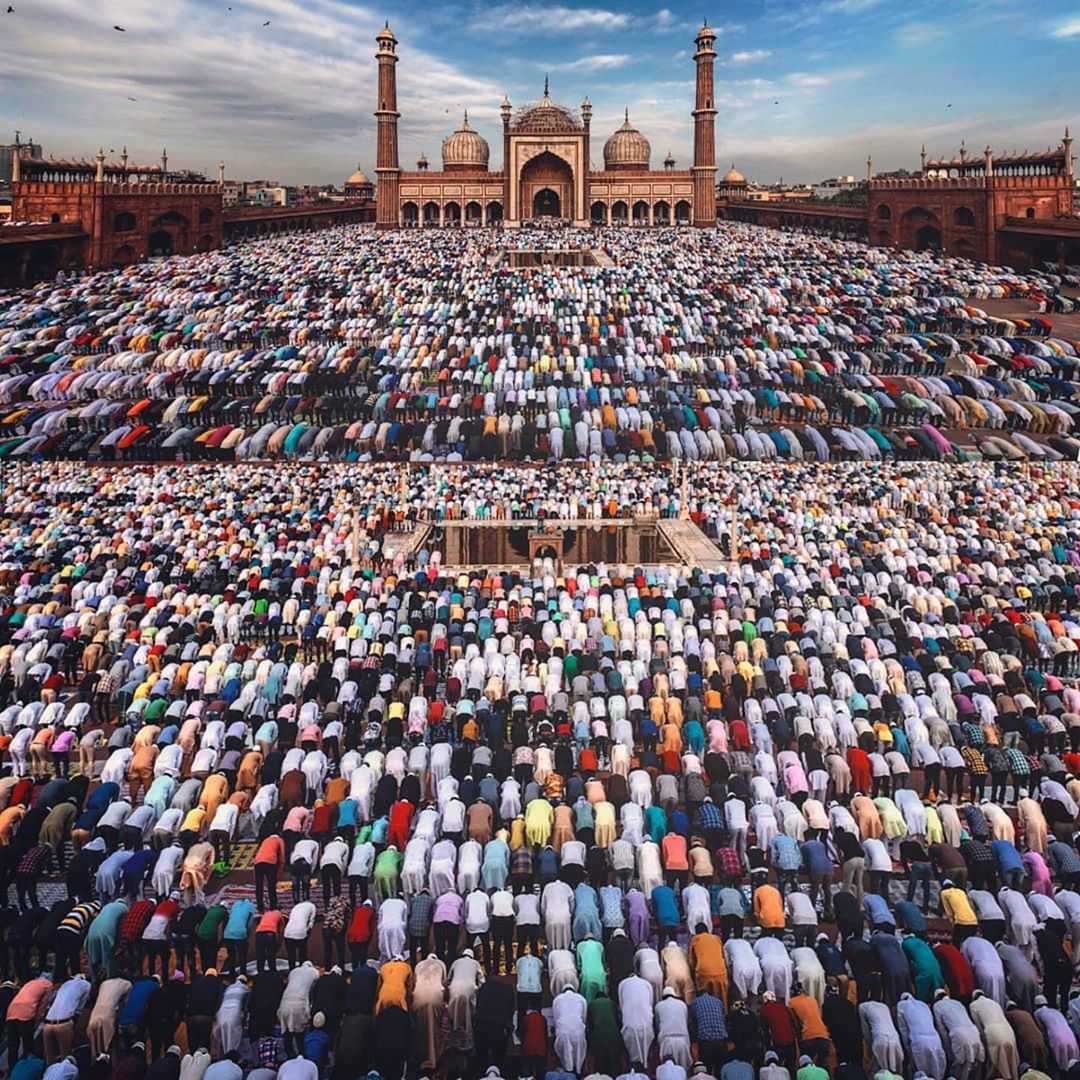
{"type": "Point", "coordinates": [546, 203]}
{"type": "Point", "coordinates": [547, 187]}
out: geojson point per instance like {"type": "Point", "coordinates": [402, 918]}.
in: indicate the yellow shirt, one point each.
{"type": "Point", "coordinates": [957, 907]}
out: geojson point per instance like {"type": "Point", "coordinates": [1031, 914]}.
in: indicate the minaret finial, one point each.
{"type": "Point", "coordinates": [466, 117]}
{"type": "Point", "coordinates": [545, 86]}
{"type": "Point", "coordinates": [626, 114]}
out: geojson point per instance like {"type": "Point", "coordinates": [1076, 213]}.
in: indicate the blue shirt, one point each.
{"type": "Point", "coordinates": [816, 857]}
{"type": "Point", "coordinates": [665, 906]}
{"type": "Point", "coordinates": [611, 906]}
{"type": "Point", "coordinates": [910, 917]}
{"type": "Point", "coordinates": [317, 1047]}
{"type": "Point", "coordinates": [239, 922]}
{"type": "Point", "coordinates": [737, 1070]}
{"type": "Point", "coordinates": [707, 1017]}
{"type": "Point", "coordinates": [137, 1002]}
{"type": "Point", "coordinates": [877, 910]}
{"type": "Point", "coordinates": [1008, 858]}
{"type": "Point", "coordinates": [784, 853]}
{"type": "Point", "coordinates": [529, 971]}
{"type": "Point", "coordinates": [28, 1068]}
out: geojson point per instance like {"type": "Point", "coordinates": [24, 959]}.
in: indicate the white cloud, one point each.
{"type": "Point", "coordinates": [851, 7]}
{"type": "Point", "coordinates": [916, 34]}
{"type": "Point", "coordinates": [815, 80]}
{"type": "Point", "coordinates": [293, 100]}
{"type": "Point", "coordinates": [1067, 28]}
{"type": "Point", "coordinates": [537, 19]}
{"type": "Point", "coordinates": [748, 56]}
{"type": "Point", "coordinates": [597, 62]}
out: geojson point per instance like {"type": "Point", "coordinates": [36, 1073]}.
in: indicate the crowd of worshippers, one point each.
{"type": "Point", "coordinates": [270, 811]}
{"type": "Point", "coordinates": [733, 343]}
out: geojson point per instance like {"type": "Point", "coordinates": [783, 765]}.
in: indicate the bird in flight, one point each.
{"type": "Point", "coordinates": [267, 23]}
{"type": "Point", "coordinates": [132, 99]}
{"type": "Point", "coordinates": [10, 10]}
{"type": "Point", "coordinates": [949, 106]}
{"type": "Point", "coordinates": [120, 28]}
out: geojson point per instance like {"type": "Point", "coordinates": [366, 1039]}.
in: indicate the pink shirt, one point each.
{"type": "Point", "coordinates": [63, 742]}
{"type": "Point", "coordinates": [29, 1003]}
{"type": "Point", "coordinates": [296, 820]}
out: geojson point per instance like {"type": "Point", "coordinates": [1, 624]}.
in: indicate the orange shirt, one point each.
{"type": "Point", "coordinates": [808, 1013]}
{"type": "Point", "coordinates": [393, 985]}
{"type": "Point", "coordinates": [673, 847]}
{"type": "Point", "coordinates": [768, 907]}
{"type": "Point", "coordinates": [142, 758]}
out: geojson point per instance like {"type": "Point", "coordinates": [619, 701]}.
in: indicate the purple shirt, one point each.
{"type": "Point", "coordinates": [449, 908]}
{"type": "Point", "coordinates": [639, 922]}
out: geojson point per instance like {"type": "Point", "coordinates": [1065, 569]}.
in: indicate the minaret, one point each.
{"type": "Point", "coordinates": [922, 158]}
{"type": "Point", "coordinates": [869, 169]}
{"type": "Point", "coordinates": [124, 161]}
{"type": "Point", "coordinates": [221, 173]}
{"type": "Point", "coordinates": [1067, 145]}
{"type": "Point", "coordinates": [704, 170]}
{"type": "Point", "coordinates": [505, 110]}
{"type": "Point", "coordinates": [99, 174]}
{"type": "Point", "coordinates": [386, 115]}
{"type": "Point", "coordinates": [988, 161]}
{"type": "Point", "coordinates": [586, 121]}
{"type": "Point", "coordinates": [164, 162]}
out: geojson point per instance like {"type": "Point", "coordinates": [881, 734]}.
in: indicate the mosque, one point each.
{"type": "Point", "coordinates": [547, 171]}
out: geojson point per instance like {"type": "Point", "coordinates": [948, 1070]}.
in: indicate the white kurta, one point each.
{"type": "Point", "coordinates": [232, 1016]}
{"type": "Point", "coordinates": [569, 1012]}
{"type": "Point", "coordinates": [916, 1025]}
{"type": "Point", "coordinates": [636, 1007]}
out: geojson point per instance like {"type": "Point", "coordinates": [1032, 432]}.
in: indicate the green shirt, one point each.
{"type": "Point", "coordinates": [213, 921]}
{"type": "Point", "coordinates": [812, 1072]}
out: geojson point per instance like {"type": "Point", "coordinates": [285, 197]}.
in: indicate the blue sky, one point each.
{"type": "Point", "coordinates": [805, 88]}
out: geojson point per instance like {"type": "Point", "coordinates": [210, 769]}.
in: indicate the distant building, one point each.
{"type": "Point", "coordinates": [28, 149]}
{"type": "Point", "coordinates": [829, 189]}
{"type": "Point", "coordinates": [732, 185]}
{"type": "Point", "coordinates": [116, 212]}
{"type": "Point", "coordinates": [358, 186]}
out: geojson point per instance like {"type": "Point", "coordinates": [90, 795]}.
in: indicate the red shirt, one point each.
{"type": "Point", "coordinates": [534, 1041]}
{"type": "Point", "coordinates": [781, 1028]}
{"type": "Point", "coordinates": [271, 922]}
{"type": "Point", "coordinates": [134, 922]}
{"type": "Point", "coordinates": [360, 925]}
{"type": "Point", "coordinates": [271, 850]}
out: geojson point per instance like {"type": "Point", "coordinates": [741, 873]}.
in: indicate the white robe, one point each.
{"type": "Point", "coordinates": [986, 964]}
{"type": "Point", "coordinates": [743, 966]}
{"type": "Point", "coordinates": [881, 1036]}
{"type": "Point", "coordinates": [915, 1023]}
{"type": "Point", "coordinates": [166, 869]}
{"type": "Point", "coordinates": [673, 1031]}
{"type": "Point", "coordinates": [231, 1017]}
{"type": "Point", "coordinates": [557, 907]}
{"type": "Point", "coordinates": [636, 1007]}
{"type": "Point", "coordinates": [809, 972]}
{"type": "Point", "coordinates": [393, 914]}
{"type": "Point", "coordinates": [568, 1013]}
{"type": "Point", "coordinates": [776, 968]}
{"type": "Point", "coordinates": [960, 1037]}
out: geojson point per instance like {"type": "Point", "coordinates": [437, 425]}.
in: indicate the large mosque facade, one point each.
{"type": "Point", "coordinates": [546, 169]}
